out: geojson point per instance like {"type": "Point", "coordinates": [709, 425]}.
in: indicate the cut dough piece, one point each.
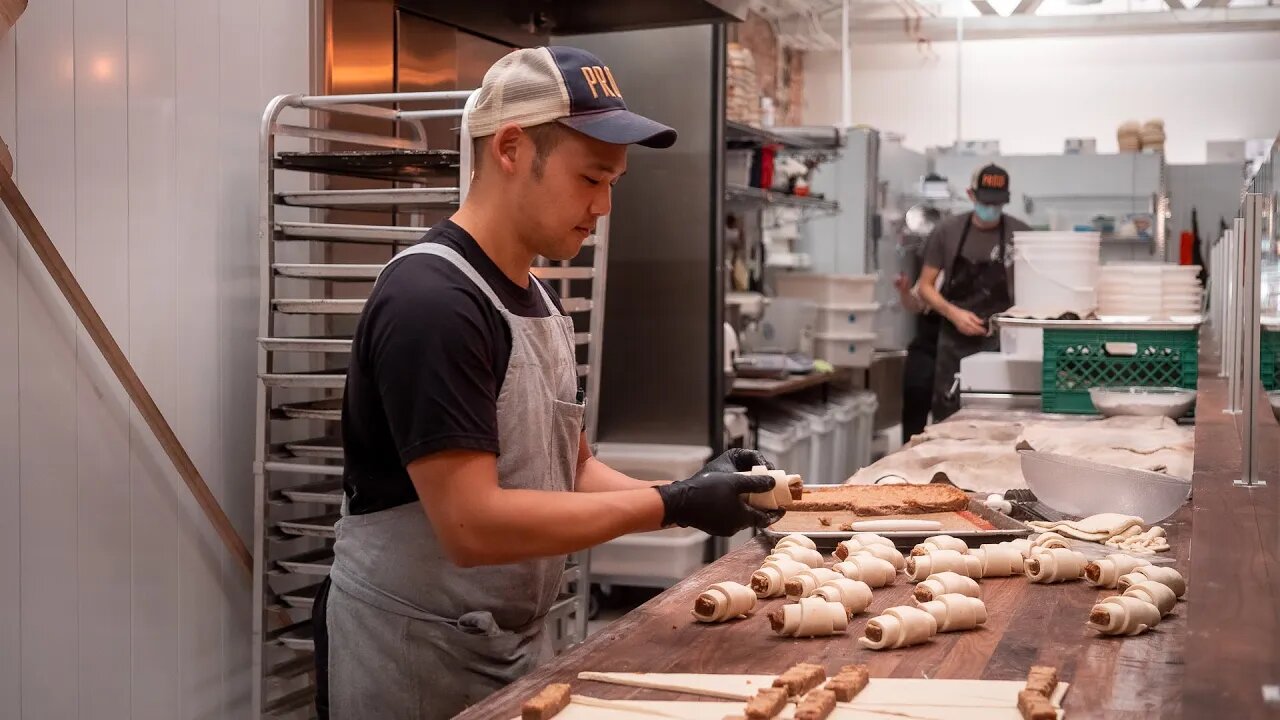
{"type": "Point", "coordinates": [954, 611]}
{"type": "Point", "coordinates": [811, 617]}
{"type": "Point", "coordinates": [1055, 565]}
{"type": "Point", "coordinates": [812, 558]}
{"type": "Point", "coordinates": [816, 705]}
{"type": "Point", "coordinates": [1166, 575]}
{"type": "Point", "coordinates": [547, 703]}
{"type": "Point", "coordinates": [805, 582]}
{"type": "Point", "coordinates": [1042, 679]}
{"type": "Point", "coordinates": [767, 703]}
{"type": "Point", "coordinates": [867, 568]}
{"type": "Point", "coordinates": [1022, 545]}
{"type": "Point", "coordinates": [940, 542]}
{"type": "Point", "coordinates": [781, 494]}
{"type": "Point", "coordinates": [899, 626]}
{"type": "Point", "coordinates": [1123, 615]}
{"type": "Point", "coordinates": [801, 678]}
{"type": "Point", "coordinates": [888, 554]}
{"type": "Point", "coordinates": [1050, 540]}
{"type": "Point", "coordinates": [796, 539]}
{"type": "Point", "coordinates": [1034, 706]}
{"type": "Point", "coordinates": [861, 541]}
{"type": "Point", "coordinates": [1107, 571]}
{"type": "Point", "coordinates": [999, 560]}
{"type": "Point", "coordinates": [919, 567]}
{"type": "Point", "coordinates": [849, 682]}
{"type": "Point", "coordinates": [724, 601]}
{"type": "Point", "coordinates": [1157, 594]}
{"type": "Point", "coordinates": [854, 595]}
{"type": "Point", "coordinates": [770, 580]}
{"type": "Point", "coordinates": [945, 583]}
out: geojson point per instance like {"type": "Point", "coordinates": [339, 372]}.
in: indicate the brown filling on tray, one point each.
{"type": "Point", "coordinates": [800, 679]}
{"type": "Point", "coordinates": [767, 703]}
{"type": "Point", "coordinates": [1042, 679]}
{"type": "Point", "coordinates": [817, 705]}
{"type": "Point", "coordinates": [1035, 706]}
{"type": "Point", "coordinates": [849, 682]}
{"type": "Point", "coordinates": [547, 703]}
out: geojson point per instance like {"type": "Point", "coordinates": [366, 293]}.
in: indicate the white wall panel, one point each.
{"type": "Point", "coordinates": [10, 457]}
{"type": "Point", "coordinates": [102, 428]}
{"type": "Point", "coordinates": [134, 124]}
{"type": "Point", "coordinates": [47, 368]}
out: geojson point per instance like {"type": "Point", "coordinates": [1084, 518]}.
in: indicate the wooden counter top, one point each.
{"type": "Point", "coordinates": [1028, 624]}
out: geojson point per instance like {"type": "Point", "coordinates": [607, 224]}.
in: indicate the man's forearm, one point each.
{"type": "Point", "coordinates": [594, 476]}
{"type": "Point", "coordinates": [507, 526]}
{"type": "Point", "coordinates": [934, 299]}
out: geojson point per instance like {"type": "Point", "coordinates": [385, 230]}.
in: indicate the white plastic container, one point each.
{"type": "Point", "coordinates": [823, 427]}
{"type": "Point", "coordinates": [827, 289]}
{"type": "Point", "coordinates": [663, 557]}
{"type": "Point", "coordinates": [1055, 275]}
{"type": "Point", "coordinates": [845, 349]}
{"type": "Point", "coordinates": [852, 318]}
{"type": "Point", "coordinates": [788, 444]}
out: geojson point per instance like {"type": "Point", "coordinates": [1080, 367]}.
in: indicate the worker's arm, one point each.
{"type": "Point", "coordinates": [965, 321]}
{"type": "Point", "coordinates": [478, 522]}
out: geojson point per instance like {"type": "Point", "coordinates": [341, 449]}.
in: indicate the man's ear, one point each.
{"type": "Point", "coordinates": [506, 146]}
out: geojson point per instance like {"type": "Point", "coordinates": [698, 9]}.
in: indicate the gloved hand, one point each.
{"type": "Point", "coordinates": [712, 502]}
{"type": "Point", "coordinates": [737, 460]}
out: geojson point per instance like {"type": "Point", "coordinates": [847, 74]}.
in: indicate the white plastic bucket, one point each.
{"type": "Point", "coordinates": [827, 289]}
{"type": "Point", "coordinates": [1049, 281]}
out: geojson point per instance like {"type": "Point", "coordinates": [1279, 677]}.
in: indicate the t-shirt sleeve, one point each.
{"type": "Point", "coordinates": [935, 248]}
{"type": "Point", "coordinates": [430, 350]}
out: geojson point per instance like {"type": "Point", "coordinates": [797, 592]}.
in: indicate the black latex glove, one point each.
{"type": "Point", "coordinates": [712, 502]}
{"type": "Point", "coordinates": [738, 460]}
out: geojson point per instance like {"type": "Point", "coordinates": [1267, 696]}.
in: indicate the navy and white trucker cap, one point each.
{"type": "Point", "coordinates": [566, 85]}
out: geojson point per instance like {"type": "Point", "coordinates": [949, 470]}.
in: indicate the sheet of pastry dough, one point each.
{"type": "Point", "coordinates": [585, 709]}
{"type": "Point", "coordinates": [914, 692]}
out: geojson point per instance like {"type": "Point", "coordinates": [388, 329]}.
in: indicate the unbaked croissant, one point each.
{"type": "Point", "coordinates": [898, 627]}
{"type": "Point", "coordinates": [812, 558]}
{"type": "Point", "coordinates": [811, 617]}
{"type": "Point", "coordinates": [860, 541]}
{"type": "Point", "coordinates": [1165, 575]}
{"type": "Point", "coordinates": [920, 567]}
{"type": "Point", "coordinates": [803, 583]}
{"type": "Point", "coordinates": [796, 539]}
{"type": "Point", "coordinates": [954, 611]}
{"type": "Point", "coordinates": [1050, 540]}
{"type": "Point", "coordinates": [940, 542]}
{"type": "Point", "coordinates": [945, 583]}
{"type": "Point", "coordinates": [1107, 571]}
{"type": "Point", "coordinates": [780, 496]}
{"type": "Point", "coordinates": [724, 601]}
{"type": "Point", "coordinates": [1157, 594]}
{"type": "Point", "coordinates": [868, 568]}
{"type": "Point", "coordinates": [770, 580]}
{"type": "Point", "coordinates": [1054, 565]}
{"type": "Point", "coordinates": [889, 554]}
{"type": "Point", "coordinates": [1123, 615]}
{"type": "Point", "coordinates": [999, 560]}
{"type": "Point", "coordinates": [854, 595]}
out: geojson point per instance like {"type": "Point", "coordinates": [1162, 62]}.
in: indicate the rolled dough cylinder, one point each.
{"type": "Point", "coordinates": [940, 542]}
{"type": "Point", "coordinates": [1157, 594]}
{"type": "Point", "coordinates": [1050, 540]}
{"type": "Point", "coordinates": [885, 553]}
{"type": "Point", "coordinates": [919, 567]}
{"type": "Point", "coordinates": [811, 617]}
{"type": "Point", "coordinates": [954, 611]}
{"type": "Point", "coordinates": [803, 583]}
{"type": "Point", "coordinates": [796, 539]}
{"type": "Point", "coordinates": [1055, 565]}
{"type": "Point", "coordinates": [860, 541]}
{"type": "Point", "coordinates": [945, 583]}
{"type": "Point", "coordinates": [812, 558]}
{"type": "Point", "coordinates": [770, 580]}
{"type": "Point", "coordinates": [999, 560]}
{"type": "Point", "coordinates": [1123, 615]}
{"type": "Point", "coordinates": [868, 568]}
{"type": "Point", "coordinates": [1165, 575]}
{"type": "Point", "coordinates": [780, 496]}
{"type": "Point", "coordinates": [854, 595]}
{"type": "Point", "coordinates": [724, 601]}
{"type": "Point", "coordinates": [899, 626]}
{"type": "Point", "coordinates": [1022, 545]}
{"type": "Point", "coordinates": [1107, 571]}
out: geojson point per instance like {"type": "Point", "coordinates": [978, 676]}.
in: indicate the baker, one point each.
{"type": "Point", "coordinates": [467, 476]}
{"type": "Point", "coordinates": [971, 251]}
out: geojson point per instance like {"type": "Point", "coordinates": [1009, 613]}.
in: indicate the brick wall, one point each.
{"type": "Point", "coordinates": [783, 81]}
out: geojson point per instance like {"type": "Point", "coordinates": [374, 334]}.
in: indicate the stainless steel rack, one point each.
{"type": "Point", "coordinates": [315, 177]}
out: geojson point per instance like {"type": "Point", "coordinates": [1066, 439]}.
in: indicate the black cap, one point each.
{"type": "Point", "coordinates": [596, 108]}
{"type": "Point", "coordinates": [991, 185]}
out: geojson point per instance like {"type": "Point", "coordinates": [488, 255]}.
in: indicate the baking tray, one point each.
{"type": "Point", "coordinates": [318, 306]}
{"type": "Point", "coordinates": [327, 409]}
{"type": "Point", "coordinates": [327, 448]}
{"type": "Point", "coordinates": [312, 562]}
{"type": "Point", "coordinates": [347, 233]}
{"type": "Point", "coordinates": [298, 636]}
{"type": "Point", "coordinates": [399, 165]}
{"type": "Point", "coordinates": [303, 597]}
{"type": "Point", "coordinates": [334, 379]}
{"type": "Point", "coordinates": [318, 526]}
{"type": "Point", "coordinates": [325, 492]}
{"type": "Point", "coordinates": [1013, 322]}
{"type": "Point", "coordinates": [374, 200]}
{"type": "Point", "coordinates": [1005, 527]}
{"type": "Point", "coordinates": [313, 344]}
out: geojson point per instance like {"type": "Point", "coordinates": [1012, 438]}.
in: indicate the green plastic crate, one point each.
{"type": "Point", "coordinates": [1076, 360]}
{"type": "Point", "coordinates": [1269, 348]}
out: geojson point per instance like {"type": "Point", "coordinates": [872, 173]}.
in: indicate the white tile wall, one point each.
{"type": "Point", "coordinates": [133, 125]}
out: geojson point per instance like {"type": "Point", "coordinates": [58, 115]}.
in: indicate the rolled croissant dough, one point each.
{"type": "Point", "coordinates": [956, 612]}
{"type": "Point", "coordinates": [920, 567]}
{"type": "Point", "coordinates": [731, 600]}
{"type": "Point", "coordinates": [899, 626]}
{"type": "Point", "coordinates": [867, 568]}
{"type": "Point", "coordinates": [945, 583]}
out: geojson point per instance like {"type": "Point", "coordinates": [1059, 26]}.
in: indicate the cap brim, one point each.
{"type": "Point", "coordinates": [992, 197]}
{"type": "Point", "coordinates": [622, 127]}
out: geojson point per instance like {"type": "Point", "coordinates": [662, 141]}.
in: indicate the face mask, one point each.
{"type": "Point", "coordinates": [986, 213]}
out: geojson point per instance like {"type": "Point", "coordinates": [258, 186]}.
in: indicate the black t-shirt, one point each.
{"type": "Point", "coordinates": [427, 362]}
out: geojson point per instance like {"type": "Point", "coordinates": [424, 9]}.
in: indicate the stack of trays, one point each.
{"type": "Point", "coordinates": [1149, 291]}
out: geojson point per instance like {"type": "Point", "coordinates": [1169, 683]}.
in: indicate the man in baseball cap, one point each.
{"type": "Point", "coordinates": [467, 476]}
{"type": "Point", "coordinates": [966, 279]}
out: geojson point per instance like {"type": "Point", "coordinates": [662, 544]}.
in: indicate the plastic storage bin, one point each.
{"type": "Point", "coordinates": [1076, 360]}
{"type": "Point", "coordinates": [827, 289]}
{"type": "Point", "coordinates": [788, 443]}
{"type": "Point", "coordinates": [845, 350]}
{"type": "Point", "coordinates": [848, 319]}
{"type": "Point", "coordinates": [663, 557]}
{"type": "Point", "coordinates": [822, 440]}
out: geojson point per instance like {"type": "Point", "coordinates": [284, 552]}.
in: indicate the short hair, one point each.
{"type": "Point", "coordinates": [545, 137]}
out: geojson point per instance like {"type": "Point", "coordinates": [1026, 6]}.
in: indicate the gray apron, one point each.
{"type": "Point", "coordinates": [411, 635]}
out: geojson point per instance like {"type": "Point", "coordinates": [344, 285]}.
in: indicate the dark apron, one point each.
{"type": "Point", "coordinates": [917, 375]}
{"type": "Point", "coordinates": [982, 288]}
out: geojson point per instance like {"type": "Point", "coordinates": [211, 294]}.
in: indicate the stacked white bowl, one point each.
{"type": "Point", "coordinates": [1149, 291]}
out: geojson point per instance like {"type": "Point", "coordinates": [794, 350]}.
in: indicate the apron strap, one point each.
{"type": "Point", "coordinates": [448, 253]}
{"type": "Point", "coordinates": [964, 237]}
